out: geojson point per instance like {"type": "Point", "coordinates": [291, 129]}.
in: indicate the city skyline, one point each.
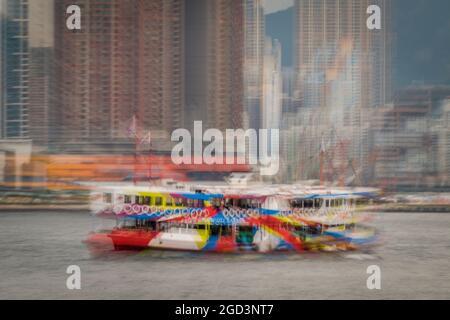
{"type": "Point", "coordinates": [138, 70]}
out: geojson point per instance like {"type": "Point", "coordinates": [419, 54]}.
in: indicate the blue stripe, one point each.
{"type": "Point", "coordinates": [201, 196]}
{"type": "Point", "coordinates": [211, 244]}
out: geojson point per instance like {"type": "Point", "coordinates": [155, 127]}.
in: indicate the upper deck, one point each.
{"type": "Point", "coordinates": [129, 200]}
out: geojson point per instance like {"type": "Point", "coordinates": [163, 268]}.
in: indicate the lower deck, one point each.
{"type": "Point", "coordinates": [234, 238]}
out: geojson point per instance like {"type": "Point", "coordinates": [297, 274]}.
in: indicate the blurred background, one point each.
{"type": "Point", "coordinates": [355, 107]}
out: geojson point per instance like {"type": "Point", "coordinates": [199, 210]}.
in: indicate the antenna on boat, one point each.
{"type": "Point", "coordinates": [139, 139]}
{"type": "Point", "coordinates": [132, 133]}
{"type": "Point", "coordinates": [321, 161]}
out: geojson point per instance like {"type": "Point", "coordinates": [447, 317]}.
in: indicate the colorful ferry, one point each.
{"type": "Point", "coordinates": [254, 218]}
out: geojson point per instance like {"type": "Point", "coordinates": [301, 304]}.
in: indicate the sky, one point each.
{"type": "Point", "coordinates": [272, 6]}
{"type": "Point", "coordinates": [422, 41]}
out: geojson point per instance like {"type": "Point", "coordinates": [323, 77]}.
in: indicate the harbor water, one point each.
{"type": "Point", "coordinates": [37, 247]}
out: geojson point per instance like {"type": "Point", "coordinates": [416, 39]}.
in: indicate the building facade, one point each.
{"type": "Point", "coordinates": [41, 68]}
{"type": "Point", "coordinates": [342, 71]}
{"type": "Point", "coordinates": [272, 85]}
{"type": "Point", "coordinates": [156, 65]}
{"type": "Point", "coordinates": [411, 140]}
{"type": "Point", "coordinates": [254, 43]}
{"type": "Point", "coordinates": [214, 63]}
{"type": "Point", "coordinates": [15, 64]}
{"type": "Point", "coordinates": [125, 63]}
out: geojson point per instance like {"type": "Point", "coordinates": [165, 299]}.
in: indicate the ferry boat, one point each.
{"type": "Point", "coordinates": [255, 218]}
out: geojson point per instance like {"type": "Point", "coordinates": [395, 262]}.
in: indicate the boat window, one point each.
{"type": "Point", "coordinates": [244, 235]}
{"type": "Point", "coordinates": [226, 231]}
{"type": "Point", "coordinates": [296, 203]}
{"type": "Point", "coordinates": [215, 202]}
{"type": "Point", "coordinates": [147, 201]}
{"type": "Point", "coordinates": [158, 201]}
{"type": "Point", "coordinates": [362, 201]}
{"type": "Point", "coordinates": [308, 203]}
{"type": "Point", "coordinates": [127, 199]}
{"type": "Point", "coordinates": [242, 203]}
{"type": "Point", "coordinates": [228, 202]}
{"type": "Point", "coordinates": [215, 230]}
{"type": "Point", "coordinates": [129, 223]}
{"type": "Point", "coordinates": [255, 203]}
{"type": "Point", "coordinates": [107, 197]}
{"type": "Point", "coordinates": [150, 225]}
{"type": "Point", "coordinates": [198, 203]}
{"type": "Point", "coordinates": [163, 227]}
{"type": "Point", "coordinates": [169, 201]}
{"type": "Point", "coordinates": [178, 202]}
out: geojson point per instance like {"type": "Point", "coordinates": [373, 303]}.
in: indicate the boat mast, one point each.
{"type": "Point", "coordinates": [133, 130]}
{"type": "Point", "coordinates": [321, 162]}
{"type": "Point", "coordinates": [139, 139]}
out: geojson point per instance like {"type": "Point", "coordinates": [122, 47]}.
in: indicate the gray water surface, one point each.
{"type": "Point", "coordinates": [36, 249]}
